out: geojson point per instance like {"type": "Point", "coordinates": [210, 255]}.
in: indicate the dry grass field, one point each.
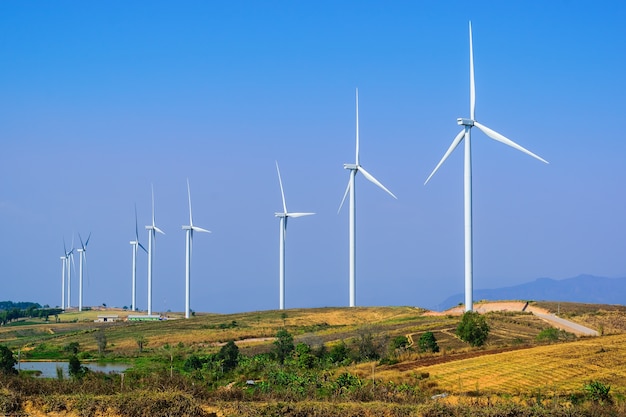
{"type": "Point", "coordinates": [512, 365]}
{"type": "Point", "coordinates": [554, 369]}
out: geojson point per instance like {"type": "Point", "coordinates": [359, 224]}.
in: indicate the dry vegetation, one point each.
{"type": "Point", "coordinates": [512, 366]}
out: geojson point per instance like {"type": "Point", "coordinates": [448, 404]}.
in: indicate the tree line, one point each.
{"type": "Point", "coordinates": [10, 311]}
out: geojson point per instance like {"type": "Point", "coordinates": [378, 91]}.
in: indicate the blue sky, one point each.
{"type": "Point", "coordinates": [98, 100]}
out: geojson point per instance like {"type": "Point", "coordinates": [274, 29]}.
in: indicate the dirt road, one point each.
{"type": "Point", "coordinates": [566, 325]}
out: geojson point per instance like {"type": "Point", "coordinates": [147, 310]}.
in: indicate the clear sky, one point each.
{"type": "Point", "coordinates": [98, 100]}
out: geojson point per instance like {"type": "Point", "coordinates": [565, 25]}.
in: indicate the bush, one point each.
{"type": "Point", "coordinates": [7, 361]}
{"type": "Point", "coordinates": [473, 329]}
{"type": "Point", "coordinates": [75, 369]}
{"type": "Point", "coordinates": [229, 354]}
{"type": "Point", "coordinates": [339, 354]}
{"type": "Point", "coordinates": [283, 345]}
{"type": "Point", "coordinates": [367, 349]}
{"type": "Point", "coordinates": [598, 392]}
{"type": "Point", "coordinates": [428, 343]}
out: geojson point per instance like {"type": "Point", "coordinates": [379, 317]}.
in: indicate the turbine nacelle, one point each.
{"type": "Point", "coordinates": [154, 228]}
{"type": "Point", "coordinates": [351, 166]}
{"type": "Point", "coordinates": [464, 122]}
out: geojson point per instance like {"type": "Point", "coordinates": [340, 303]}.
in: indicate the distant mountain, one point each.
{"type": "Point", "coordinates": [580, 289]}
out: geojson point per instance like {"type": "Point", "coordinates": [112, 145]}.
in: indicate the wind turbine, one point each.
{"type": "Point", "coordinates": [354, 168]}
{"type": "Point", "coordinates": [466, 134]}
{"type": "Point", "coordinates": [152, 229]}
{"type": "Point", "coordinates": [82, 254]}
{"type": "Point", "coordinates": [135, 243]}
{"type": "Point", "coordinates": [69, 259]}
{"type": "Point", "coordinates": [283, 231]}
{"type": "Point", "coordinates": [189, 241]}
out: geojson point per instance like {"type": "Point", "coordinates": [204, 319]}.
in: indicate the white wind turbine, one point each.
{"type": "Point", "coordinates": [82, 253]}
{"type": "Point", "coordinates": [188, 247]}
{"type": "Point", "coordinates": [152, 229]}
{"type": "Point", "coordinates": [466, 134]}
{"type": "Point", "coordinates": [354, 168]}
{"type": "Point", "coordinates": [135, 244]}
{"type": "Point", "coordinates": [69, 259]}
{"type": "Point", "coordinates": [283, 231]}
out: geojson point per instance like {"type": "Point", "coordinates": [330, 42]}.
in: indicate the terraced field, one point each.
{"type": "Point", "coordinates": [556, 369]}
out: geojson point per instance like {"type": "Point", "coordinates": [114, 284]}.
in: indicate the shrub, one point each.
{"type": "Point", "coordinates": [473, 329]}
{"type": "Point", "coordinates": [598, 392]}
{"type": "Point", "coordinates": [428, 343]}
{"type": "Point", "coordinates": [229, 354]}
{"type": "Point", "coordinates": [72, 348]}
{"type": "Point", "coordinates": [7, 361]}
{"type": "Point", "coordinates": [283, 345]}
{"type": "Point", "coordinates": [339, 354]}
{"type": "Point", "coordinates": [75, 369]}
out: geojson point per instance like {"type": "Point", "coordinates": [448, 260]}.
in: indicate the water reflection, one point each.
{"type": "Point", "coordinates": [49, 369]}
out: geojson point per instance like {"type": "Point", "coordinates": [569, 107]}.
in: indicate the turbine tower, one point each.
{"type": "Point", "coordinates": [82, 251]}
{"type": "Point", "coordinates": [69, 259]}
{"type": "Point", "coordinates": [189, 241]}
{"type": "Point", "coordinates": [283, 231]}
{"type": "Point", "coordinates": [354, 168]}
{"type": "Point", "coordinates": [135, 243]}
{"type": "Point", "coordinates": [63, 262]}
{"type": "Point", "coordinates": [465, 134]}
{"type": "Point", "coordinates": [152, 229]}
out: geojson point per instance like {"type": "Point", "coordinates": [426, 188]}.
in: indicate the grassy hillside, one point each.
{"type": "Point", "coordinates": [254, 330]}
{"type": "Point", "coordinates": [179, 356]}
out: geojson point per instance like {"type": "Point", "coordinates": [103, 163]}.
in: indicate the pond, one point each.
{"type": "Point", "coordinates": [49, 369]}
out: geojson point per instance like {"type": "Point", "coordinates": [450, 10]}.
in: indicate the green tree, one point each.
{"type": "Point", "coordinates": [75, 369]}
{"type": "Point", "coordinates": [72, 348]}
{"type": "Point", "coordinates": [304, 356]}
{"type": "Point", "coordinates": [229, 354]}
{"type": "Point", "coordinates": [366, 346]}
{"type": "Point", "coordinates": [473, 329]}
{"type": "Point", "coordinates": [339, 353]}
{"type": "Point", "coordinates": [283, 345]}
{"type": "Point", "coordinates": [101, 341]}
{"type": "Point", "coordinates": [428, 343]}
{"type": "Point", "coordinates": [7, 361]}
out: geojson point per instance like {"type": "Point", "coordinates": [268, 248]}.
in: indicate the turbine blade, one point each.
{"type": "Point", "coordinates": [496, 136]}
{"type": "Point", "coordinates": [452, 147]}
{"type": "Point", "coordinates": [152, 187]}
{"type": "Point", "coordinates": [344, 197]}
{"type": "Point", "coordinates": [371, 178]}
{"type": "Point", "coordinates": [82, 245]}
{"type": "Point", "coordinates": [189, 195]}
{"type": "Point", "coordinates": [159, 230]}
{"type": "Point", "coordinates": [299, 214]}
{"type": "Point", "coordinates": [282, 191]}
{"type": "Point", "coordinates": [199, 229]}
{"type": "Point", "coordinates": [357, 127]}
{"type": "Point", "coordinates": [141, 246]}
{"type": "Point", "coordinates": [64, 248]}
{"type": "Point", "coordinates": [472, 85]}
{"type": "Point", "coordinates": [72, 260]}
{"type": "Point", "coordinates": [87, 241]}
{"type": "Point", "coordinates": [136, 225]}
